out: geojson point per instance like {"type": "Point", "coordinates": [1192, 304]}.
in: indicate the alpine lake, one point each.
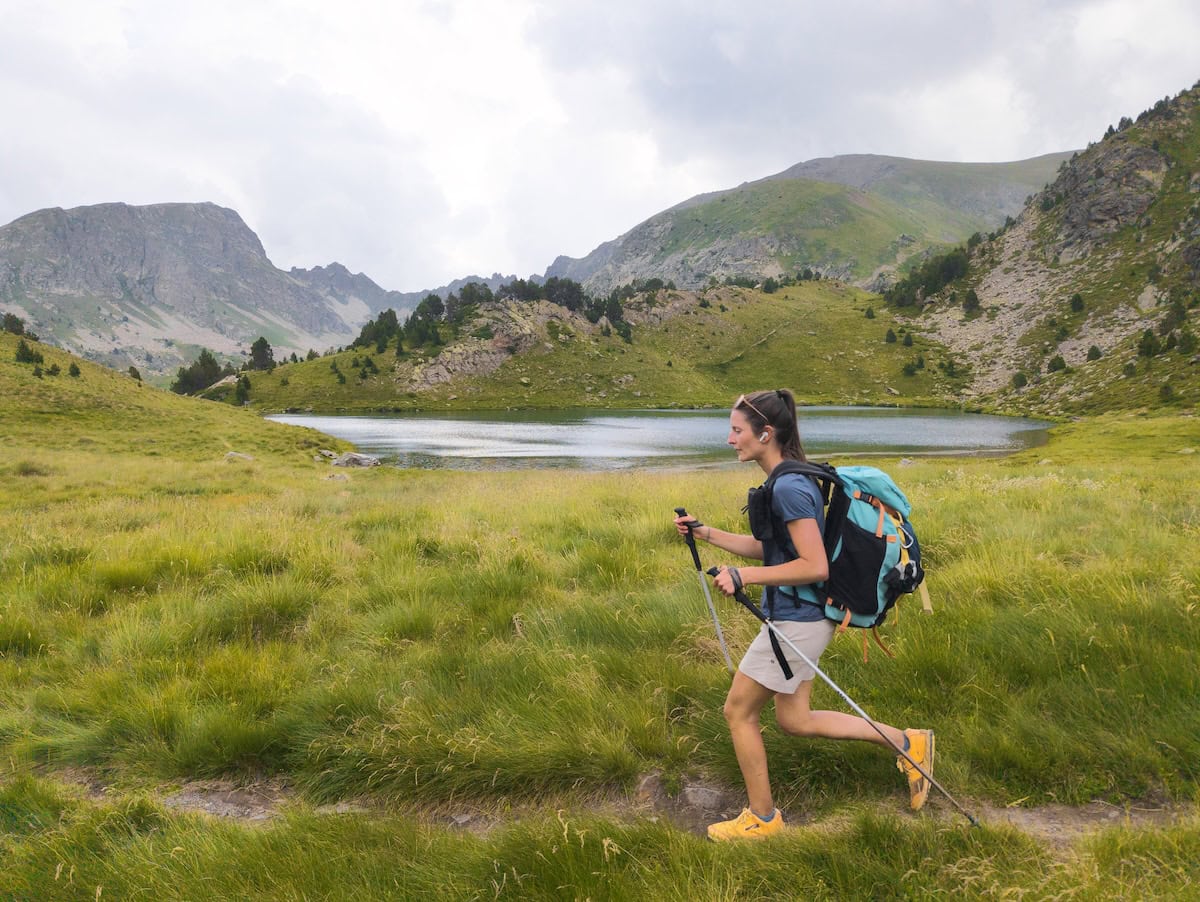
{"type": "Point", "coordinates": [612, 440]}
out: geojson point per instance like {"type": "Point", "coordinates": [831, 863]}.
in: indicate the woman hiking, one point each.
{"type": "Point", "coordinates": [763, 429]}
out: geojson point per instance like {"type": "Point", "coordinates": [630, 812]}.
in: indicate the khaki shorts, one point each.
{"type": "Point", "coordinates": [810, 637]}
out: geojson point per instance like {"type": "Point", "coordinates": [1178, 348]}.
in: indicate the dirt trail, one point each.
{"type": "Point", "coordinates": [693, 808]}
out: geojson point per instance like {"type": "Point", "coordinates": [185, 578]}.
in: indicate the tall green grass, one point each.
{"type": "Point", "coordinates": [422, 640]}
{"type": "Point", "coordinates": [421, 637]}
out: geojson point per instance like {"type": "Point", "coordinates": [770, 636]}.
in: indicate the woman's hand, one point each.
{"type": "Point", "coordinates": [681, 523]}
{"type": "Point", "coordinates": [728, 580]}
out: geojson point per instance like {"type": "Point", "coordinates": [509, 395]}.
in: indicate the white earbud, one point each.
{"type": "Point", "coordinates": [763, 437]}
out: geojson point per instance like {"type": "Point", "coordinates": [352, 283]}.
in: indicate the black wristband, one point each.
{"type": "Point", "coordinates": [737, 579]}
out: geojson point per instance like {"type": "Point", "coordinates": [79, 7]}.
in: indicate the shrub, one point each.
{"type": "Point", "coordinates": [1019, 380]}
{"type": "Point", "coordinates": [14, 324]}
{"type": "Point", "coordinates": [890, 338]}
{"type": "Point", "coordinates": [53, 370]}
{"type": "Point", "coordinates": [907, 340]}
{"type": "Point", "coordinates": [1166, 393]}
{"type": "Point", "coordinates": [1187, 341]}
{"type": "Point", "coordinates": [73, 370]}
{"type": "Point", "coordinates": [910, 368]}
{"type": "Point", "coordinates": [1056, 364]}
{"type": "Point", "coordinates": [1148, 346]}
{"type": "Point", "coordinates": [971, 302]}
{"type": "Point", "coordinates": [1077, 303]}
{"type": "Point", "coordinates": [134, 374]}
{"type": "Point", "coordinates": [1130, 369]}
{"type": "Point", "coordinates": [26, 354]}
{"type": "Point", "coordinates": [1094, 353]}
{"type": "Point", "coordinates": [870, 314]}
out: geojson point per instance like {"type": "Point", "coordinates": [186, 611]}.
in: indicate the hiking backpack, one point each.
{"type": "Point", "coordinates": [872, 548]}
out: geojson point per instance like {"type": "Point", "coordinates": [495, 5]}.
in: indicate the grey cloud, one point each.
{"type": "Point", "coordinates": [816, 79]}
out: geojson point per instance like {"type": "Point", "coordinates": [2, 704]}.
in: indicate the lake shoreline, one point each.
{"type": "Point", "coordinates": [657, 439]}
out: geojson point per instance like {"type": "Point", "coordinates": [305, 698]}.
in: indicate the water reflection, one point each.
{"type": "Point", "coordinates": [611, 440]}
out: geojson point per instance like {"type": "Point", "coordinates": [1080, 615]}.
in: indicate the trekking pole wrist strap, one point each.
{"type": "Point", "coordinates": [736, 576]}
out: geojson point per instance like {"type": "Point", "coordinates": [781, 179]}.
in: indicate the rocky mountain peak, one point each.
{"type": "Point", "coordinates": [130, 284]}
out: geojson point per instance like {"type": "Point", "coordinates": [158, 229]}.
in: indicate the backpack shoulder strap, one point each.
{"type": "Point", "coordinates": [836, 504]}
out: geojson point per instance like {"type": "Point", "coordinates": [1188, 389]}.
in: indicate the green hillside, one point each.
{"type": "Point", "coordinates": [857, 217]}
{"type": "Point", "coordinates": [818, 224]}
{"type": "Point", "coordinates": [1090, 302]}
{"type": "Point", "coordinates": [101, 412]}
{"type": "Point", "coordinates": [688, 349]}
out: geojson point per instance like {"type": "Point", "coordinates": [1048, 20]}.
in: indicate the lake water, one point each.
{"type": "Point", "coordinates": [623, 439]}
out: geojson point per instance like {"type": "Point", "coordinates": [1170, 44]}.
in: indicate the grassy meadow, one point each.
{"type": "Point", "coordinates": [530, 644]}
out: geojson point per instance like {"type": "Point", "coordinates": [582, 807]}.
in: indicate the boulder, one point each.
{"type": "Point", "coordinates": [354, 459]}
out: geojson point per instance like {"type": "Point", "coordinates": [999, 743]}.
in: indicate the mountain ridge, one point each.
{"type": "Point", "coordinates": [141, 285]}
{"type": "Point", "coordinates": [909, 206]}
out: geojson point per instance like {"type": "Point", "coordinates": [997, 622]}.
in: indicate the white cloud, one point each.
{"type": "Point", "coordinates": [423, 140]}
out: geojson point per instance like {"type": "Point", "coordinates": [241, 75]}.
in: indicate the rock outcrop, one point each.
{"type": "Point", "coordinates": [1113, 189]}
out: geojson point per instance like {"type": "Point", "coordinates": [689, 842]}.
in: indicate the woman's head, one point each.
{"type": "Point", "coordinates": [773, 413]}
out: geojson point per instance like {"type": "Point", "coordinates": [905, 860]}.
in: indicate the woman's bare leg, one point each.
{"type": "Point", "coordinates": [743, 713]}
{"type": "Point", "coordinates": [794, 716]}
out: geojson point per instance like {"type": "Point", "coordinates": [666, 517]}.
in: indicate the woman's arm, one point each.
{"type": "Point", "coordinates": [742, 546]}
{"type": "Point", "coordinates": [810, 567]}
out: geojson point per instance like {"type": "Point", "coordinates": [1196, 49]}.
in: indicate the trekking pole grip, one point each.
{"type": "Point", "coordinates": [689, 538]}
{"type": "Point", "coordinates": [740, 596]}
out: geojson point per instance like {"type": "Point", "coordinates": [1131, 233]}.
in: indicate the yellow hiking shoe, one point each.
{"type": "Point", "coordinates": [746, 825]}
{"type": "Point", "coordinates": [920, 747]}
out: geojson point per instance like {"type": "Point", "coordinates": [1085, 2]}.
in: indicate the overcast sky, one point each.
{"type": "Point", "coordinates": [424, 140]}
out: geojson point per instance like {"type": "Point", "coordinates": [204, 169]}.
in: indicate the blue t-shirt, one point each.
{"type": "Point", "coordinates": [796, 497]}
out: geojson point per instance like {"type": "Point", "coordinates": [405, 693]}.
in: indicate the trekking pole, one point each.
{"type": "Point", "coordinates": [742, 599]}
{"type": "Point", "coordinates": [712, 609]}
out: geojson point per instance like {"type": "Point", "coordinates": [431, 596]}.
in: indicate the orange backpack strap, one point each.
{"type": "Point", "coordinates": [875, 632]}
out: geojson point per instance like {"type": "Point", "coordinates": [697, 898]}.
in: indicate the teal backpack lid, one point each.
{"type": "Point", "coordinates": [875, 482]}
